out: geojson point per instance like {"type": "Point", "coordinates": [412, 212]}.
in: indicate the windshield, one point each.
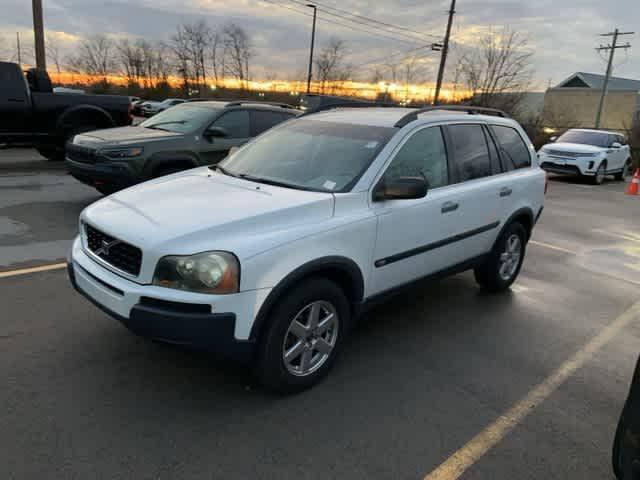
{"type": "Point", "coordinates": [312, 155]}
{"type": "Point", "coordinates": [597, 139]}
{"type": "Point", "coordinates": [181, 119]}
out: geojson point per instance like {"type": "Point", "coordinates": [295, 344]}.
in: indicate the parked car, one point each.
{"type": "Point", "coordinates": [151, 108]}
{"type": "Point", "coordinates": [591, 154]}
{"type": "Point", "coordinates": [136, 107]}
{"type": "Point", "coordinates": [183, 137]}
{"type": "Point", "coordinates": [272, 254]}
{"type": "Point", "coordinates": [626, 445]}
{"type": "Point", "coordinates": [31, 113]}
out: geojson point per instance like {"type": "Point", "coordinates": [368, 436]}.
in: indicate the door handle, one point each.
{"type": "Point", "coordinates": [448, 207]}
{"type": "Point", "coordinates": [15, 100]}
{"type": "Point", "coordinates": [505, 192]}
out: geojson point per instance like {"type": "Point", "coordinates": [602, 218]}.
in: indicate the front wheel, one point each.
{"type": "Point", "coordinates": [306, 331]}
{"type": "Point", "coordinates": [505, 261]}
{"type": "Point", "coordinates": [598, 178]}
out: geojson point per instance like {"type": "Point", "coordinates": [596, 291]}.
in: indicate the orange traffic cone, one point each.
{"type": "Point", "coordinates": [632, 189]}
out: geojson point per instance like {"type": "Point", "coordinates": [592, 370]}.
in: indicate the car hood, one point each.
{"type": "Point", "coordinates": [573, 148]}
{"type": "Point", "coordinates": [123, 135]}
{"type": "Point", "coordinates": [200, 210]}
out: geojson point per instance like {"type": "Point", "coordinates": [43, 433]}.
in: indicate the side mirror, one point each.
{"type": "Point", "coordinates": [553, 139]}
{"type": "Point", "coordinates": [218, 132]}
{"type": "Point", "coordinates": [616, 145]}
{"type": "Point", "coordinates": [401, 188]}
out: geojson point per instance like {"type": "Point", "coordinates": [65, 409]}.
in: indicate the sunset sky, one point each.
{"type": "Point", "coordinates": [563, 34]}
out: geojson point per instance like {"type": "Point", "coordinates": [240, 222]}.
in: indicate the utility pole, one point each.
{"type": "Point", "coordinates": [445, 51]}
{"type": "Point", "coordinates": [18, 47]}
{"type": "Point", "coordinates": [612, 48]}
{"type": "Point", "coordinates": [313, 40]}
{"type": "Point", "coordinates": [38, 32]}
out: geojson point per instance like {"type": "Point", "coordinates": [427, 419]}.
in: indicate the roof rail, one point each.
{"type": "Point", "coordinates": [471, 110]}
{"type": "Point", "coordinates": [331, 106]}
{"type": "Point", "coordinates": [258, 102]}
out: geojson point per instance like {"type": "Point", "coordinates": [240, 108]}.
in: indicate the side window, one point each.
{"type": "Point", "coordinates": [423, 155]}
{"type": "Point", "coordinates": [493, 153]}
{"type": "Point", "coordinates": [621, 139]}
{"type": "Point", "coordinates": [471, 154]}
{"type": "Point", "coordinates": [515, 152]}
{"type": "Point", "coordinates": [264, 121]}
{"type": "Point", "coordinates": [236, 122]}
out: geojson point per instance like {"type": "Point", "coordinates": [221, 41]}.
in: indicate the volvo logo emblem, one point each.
{"type": "Point", "coordinates": [105, 246]}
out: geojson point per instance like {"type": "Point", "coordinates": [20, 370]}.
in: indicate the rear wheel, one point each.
{"type": "Point", "coordinates": [307, 329]}
{"type": "Point", "coordinates": [505, 261]}
{"type": "Point", "coordinates": [626, 171]}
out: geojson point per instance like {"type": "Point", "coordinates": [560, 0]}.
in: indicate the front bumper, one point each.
{"type": "Point", "coordinates": [219, 324]}
{"type": "Point", "coordinates": [573, 166]}
{"type": "Point", "coordinates": [118, 175]}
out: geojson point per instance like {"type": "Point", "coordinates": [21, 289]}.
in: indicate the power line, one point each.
{"type": "Point", "coordinates": [612, 47]}
{"type": "Point", "coordinates": [367, 21]}
{"type": "Point", "coordinates": [405, 54]}
{"type": "Point", "coordinates": [350, 27]}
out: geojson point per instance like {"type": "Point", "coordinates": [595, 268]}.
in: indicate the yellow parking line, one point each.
{"type": "Point", "coordinates": [463, 459]}
{"type": "Point", "coordinates": [629, 237]}
{"type": "Point", "coordinates": [553, 247]}
{"type": "Point", "coordinates": [24, 271]}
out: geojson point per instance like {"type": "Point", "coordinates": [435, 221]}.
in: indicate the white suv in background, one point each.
{"type": "Point", "coordinates": [589, 153]}
{"type": "Point", "coordinates": [272, 254]}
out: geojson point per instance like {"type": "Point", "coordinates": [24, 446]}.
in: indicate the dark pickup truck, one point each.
{"type": "Point", "coordinates": [30, 113]}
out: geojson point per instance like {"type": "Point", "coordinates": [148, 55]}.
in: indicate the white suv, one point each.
{"type": "Point", "coordinates": [272, 255]}
{"type": "Point", "coordinates": [589, 153]}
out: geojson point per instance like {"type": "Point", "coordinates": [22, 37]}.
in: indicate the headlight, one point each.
{"type": "Point", "coordinates": [210, 272]}
{"type": "Point", "coordinates": [118, 153]}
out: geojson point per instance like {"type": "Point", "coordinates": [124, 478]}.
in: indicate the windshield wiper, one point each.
{"type": "Point", "coordinates": [224, 171]}
{"type": "Point", "coordinates": [275, 183]}
{"type": "Point", "coordinates": [155, 125]}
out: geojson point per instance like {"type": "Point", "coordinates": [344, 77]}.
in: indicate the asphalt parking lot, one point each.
{"type": "Point", "coordinates": [443, 382]}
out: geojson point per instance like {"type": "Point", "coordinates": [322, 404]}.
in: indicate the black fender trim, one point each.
{"type": "Point", "coordinates": [165, 159]}
{"type": "Point", "coordinates": [62, 124]}
{"type": "Point", "coordinates": [518, 213]}
{"type": "Point", "coordinates": [343, 264]}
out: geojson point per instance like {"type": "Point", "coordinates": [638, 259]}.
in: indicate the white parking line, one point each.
{"type": "Point", "coordinates": [465, 457]}
{"type": "Point", "coordinates": [25, 271]}
{"type": "Point", "coordinates": [552, 247]}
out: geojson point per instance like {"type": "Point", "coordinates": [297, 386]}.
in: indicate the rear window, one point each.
{"type": "Point", "coordinates": [514, 151]}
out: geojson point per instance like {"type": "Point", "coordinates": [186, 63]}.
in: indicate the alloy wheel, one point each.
{"type": "Point", "coordinates": [510, 258]}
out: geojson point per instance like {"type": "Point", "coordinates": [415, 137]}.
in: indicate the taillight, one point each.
{"type": "Point", "coordinates": [546, 182]}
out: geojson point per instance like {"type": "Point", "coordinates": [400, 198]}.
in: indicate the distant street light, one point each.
{"type": "Point", "coordinates": [313, 39]}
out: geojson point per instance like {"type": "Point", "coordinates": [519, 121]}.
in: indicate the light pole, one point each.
{"type": "Point", "coordinates": [313, 39]}
{"type": "Point", "coordinates": [38, 31]}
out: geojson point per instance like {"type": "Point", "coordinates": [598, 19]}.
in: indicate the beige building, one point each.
{"type": "Point", "coordinates": [574, 103]}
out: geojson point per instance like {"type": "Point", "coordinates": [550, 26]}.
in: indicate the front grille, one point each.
{"type": "Point", "coordinates": [560, 168]}
{"type": "Point", "coordinates": [81, 154]}
{"type": "Point", "coordinates": [117, 253]}
{"type": "Point", "coordinates": [557, 153]}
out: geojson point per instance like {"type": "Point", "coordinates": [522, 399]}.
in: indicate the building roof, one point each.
{"type": "Point", "coordinates": [595, 81]}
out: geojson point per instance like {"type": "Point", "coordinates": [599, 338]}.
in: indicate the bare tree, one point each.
{"type": "Point", "coordinates": [216, 56]}
{"type": "Point", "coordinates": [331, 71]}
{"type": "Point", "coordinates": [180, 49]}
{"type": "Point", "coordinates": [412, 69]}
{"type": "Point", "coordinates": [95, 57]}
{"type": "Point", "coordinates": [237, 52]}
{"type": "Point", "coordinates": [53, 52]}
{"type": "Point", "coordinates": [498, 71]}
{"type": "Point", "coordinates": [130, 61]}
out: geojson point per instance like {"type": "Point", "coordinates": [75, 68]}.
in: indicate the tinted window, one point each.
{"type": "Point", "coordinates": [185, 118]}
{"type": "Point", "coordinates": [514, 150]}
{"type": "Point", "coordinates": [470, 152]}
{"type": "Point", "coordinates": [235, 122]}
{"type": "Point", "coordinates": [12, 81]}
{"type": "Point", "coordinates": [493, 153]}
{"type": "Point", "coordinates": [264, 121]}
{"type": "Point", "coordinates": [423, 155]}
{"type": "Point", "coordinates": [597, 139]}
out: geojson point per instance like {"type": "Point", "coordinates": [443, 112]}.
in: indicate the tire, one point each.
{"type": "Point", "coordinates": [615, 452]}
{"type": "Point", "coordinates": [307, 365]}
{"type": "Point", "coordinates": [493, 275]}
{"type": "Point", "coordinates": [598, 178]}
{"type": "Point", "coordinates": [51, 152]}
{"type": "Point", "coordinates": [626, 170]}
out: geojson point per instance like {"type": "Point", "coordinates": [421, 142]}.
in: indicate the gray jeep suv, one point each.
{"type": "Point", "coordinates": [182, 137]}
